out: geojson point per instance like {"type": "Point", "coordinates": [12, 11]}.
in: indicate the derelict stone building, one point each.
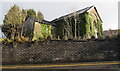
{"type": "Point", "coordinates": [82, 24]}
{"type": "Point", "coordinates": [32, 26]}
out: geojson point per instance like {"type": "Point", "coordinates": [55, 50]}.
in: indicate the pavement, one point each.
{"type": "Point", "coordinates": [84, 66]}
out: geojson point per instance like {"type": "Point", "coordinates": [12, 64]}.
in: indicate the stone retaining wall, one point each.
{"type": "Point", "coordinates": [60, 51]}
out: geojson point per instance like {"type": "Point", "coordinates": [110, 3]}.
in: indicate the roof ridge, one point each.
{"type": "Point", "coordinates": [78, 11]}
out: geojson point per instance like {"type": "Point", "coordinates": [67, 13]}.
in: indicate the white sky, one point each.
{"type": "Point", "coordinates": [51, 10]}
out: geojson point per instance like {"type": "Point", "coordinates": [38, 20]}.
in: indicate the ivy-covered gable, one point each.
{"type": "Point", "coordinates": [79, 25]}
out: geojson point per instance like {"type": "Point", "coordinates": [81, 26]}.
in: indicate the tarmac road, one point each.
{"type": "Point", "coordinates": [88, 66]}
{"type": "Point", "coordinates": [60, 70]}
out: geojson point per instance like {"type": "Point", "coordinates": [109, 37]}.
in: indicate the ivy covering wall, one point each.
{"type": "Point", "coordinates": [82, 25]}
{"type": "Point", "coordinates": [44, 33]}
{"type": "Point", "coordinates": [90, 28]}
{"type": "Point", "coordinates": [86, 27]}
{"type": "Point", "coordinates": [100, 29]}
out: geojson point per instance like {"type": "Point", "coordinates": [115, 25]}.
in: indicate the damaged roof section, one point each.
{"type": "Point", "coordinates": [33, 19]}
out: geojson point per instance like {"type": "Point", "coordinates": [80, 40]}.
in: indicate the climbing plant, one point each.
{"type": "Point", "coordinates": [100, 29]}
{"type": "Point", "coordinates": [88, 25]}
{"type": "Point", "coordinates": [82, 25]}
{"type": "Point", "coordinates": [60, 30]}
{"type": "Point", "coordinates": [91, 26]}
{"type": "Point", "coordinates": [68, 27]}
{"type": "Point", "coordinates": [45, 31]}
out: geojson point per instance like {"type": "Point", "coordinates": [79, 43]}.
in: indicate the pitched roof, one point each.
{"type": "Point", "coordinates": [31, 19]}
{"type": "Point", "coordinates": [77, 12]}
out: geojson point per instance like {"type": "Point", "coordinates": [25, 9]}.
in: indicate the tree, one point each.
{"type": "Point", "coordinates": [31, 12]}
{"type": "Point", "coordinates": [13, 21]}
{"type": "Point", "coordinates": [40, 16]}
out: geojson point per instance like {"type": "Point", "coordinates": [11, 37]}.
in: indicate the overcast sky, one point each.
{"type": "Point", "coordinates": [108, 10]}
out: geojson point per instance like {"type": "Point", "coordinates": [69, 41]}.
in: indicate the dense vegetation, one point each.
{"type": "Point", "coordinates": [79, 26]}
{"type": "Point", "coordinates": [14, 19]}
{"type": "Point", "coordinates": [44, 33]}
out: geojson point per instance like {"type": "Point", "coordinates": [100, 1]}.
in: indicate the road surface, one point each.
{"type": "Point", "coordinates": [88, 66]}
